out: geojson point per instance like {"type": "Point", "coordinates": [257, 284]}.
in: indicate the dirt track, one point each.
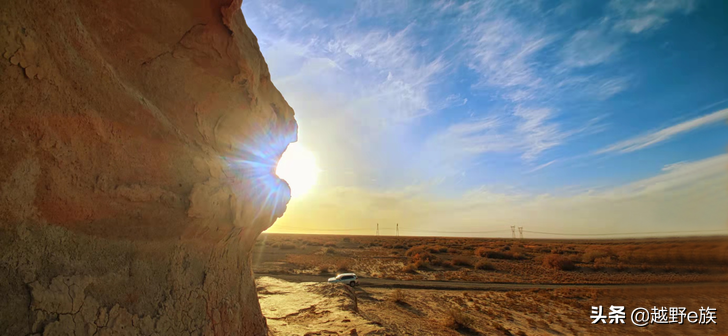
{"type": "Point", "coordinates": [463, 285]}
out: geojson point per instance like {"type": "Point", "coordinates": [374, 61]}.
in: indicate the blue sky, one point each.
{"type": "Point", "coordinates": [483, 114]}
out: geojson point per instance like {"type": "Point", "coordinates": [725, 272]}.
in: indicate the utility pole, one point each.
{"type": "Point", "coordinates": [377, 229]}
{"type": "Point", "coordinates": [513, 231]}
{"type": "Point", "coordinates": [520, 231]}
{"type": "Point", "coordinates": [397, 229]}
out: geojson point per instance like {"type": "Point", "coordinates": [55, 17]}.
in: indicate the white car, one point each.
{"type": "Point", "coordinates": [347, 278]}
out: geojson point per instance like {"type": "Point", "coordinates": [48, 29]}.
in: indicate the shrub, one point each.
{"type": "Point", "coordinates": [459, 261]}
{"type": "Point", "coordinates": [415, 250]}
{"type": "Point", "coordinates": [330, 244]}
{"type": "Point", "coordinates": [484, 264]}
{"type": "Point", "coordinates": [322, 268]}
{"type": "Point", "coordinates": [343, 266]}
{"type": "Point", "coordinates": [411, 268]}
{"type": "Point", "coordinates": [457, 319]}
{"type": "Point", "coordinates": [438, 249]}
{"type": "Point", "coordinates": [423, 265]}
{"type": "Point", "coordinates": [287, 246]}
{"type": "Point", "coordinates": [423, 257]}
{"type": "Point", "coordinates": [489, 253]}
{"type": "Point", "coordinates": [397, 296]}
{"type": "Point", "coordinates": [557, 261]}
{"type": "Point", "coordinates": [329, 250]}
{"type": "Point", "coordinates": [481, 252]}
{"type": "Point", "coordinates": [346, 240]}
{"type": "Point", "coordinates": [591, 254]}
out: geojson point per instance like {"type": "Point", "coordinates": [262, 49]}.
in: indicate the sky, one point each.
{"type": "Point", "coordinates": [463, 118]}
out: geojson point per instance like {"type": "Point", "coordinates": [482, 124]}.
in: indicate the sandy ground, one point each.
{"type": "Point", "coordinates": [312, 309]}
{"type": "Point", "coordinates": [309, 308]}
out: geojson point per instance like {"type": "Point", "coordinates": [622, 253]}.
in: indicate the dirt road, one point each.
{"type": "Point", "coordinates": [463, 285]}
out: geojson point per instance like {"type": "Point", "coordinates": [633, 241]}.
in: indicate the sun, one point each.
{"type": "Point", "coordinates": [298, 167]}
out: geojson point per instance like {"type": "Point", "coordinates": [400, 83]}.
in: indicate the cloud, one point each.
{"type": "Point", "coordinates": [383, 68]}
{"type": "Point", "coordinates": [590, 47]}
{"type": "Point", "coordinates": [542, 166]}
{"type": "Point", "coordinates": [528, 131]}
{"type": "Point", "coordinates": [508, 55]}
{"type": "Point", "coordinates": [477, 136]}
{"type": "Point", "coordinates": [653, 138]}
{"type": "Point", "coordinates": [537, 131]}
{"type": "Point", "coordinates": [602, 41]}
{"type": "Point", "coordinates": [640, 16]}
{"type": "Point", "coordinates": [691, 193]}
{"type": "Point", "coordinates": [610, 87]}
{"type": "Point", "coordinates": [501, 51]}
{"type": "Point", "coordinates": [454, 100]}
{"type": "Point", "coordinates": [676, 175]}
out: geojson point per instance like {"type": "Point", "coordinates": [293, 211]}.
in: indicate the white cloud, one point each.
{"type": "Point", "coordinates": [640, 24]}
{"type": "Point", "coordinates": [538, 132]}
{"type": "Point", "coordinates": [640, 16]}
{"type": "Point", "coordinates": [475, 136]}
{"type": "Point", "coordinates": [611, 86]}
{"type": "Point", "coordinates": [454, 100]}
{"type": "Point", "coordinates": [389, 74]}
{"type": "Point", "coordinates": [652, 138]}
{"type": "Point", "coordinates": [396, 77]}
{"type": "Point", "coordinates": [529, 131]}
{"type": "Point", "coordinates": [590, 47]}
{"type": "Point", "coordinates": [501, 50]}
{"type": "Point", "coordinates": [542, 166]}
{"type": "Point", "coordinates": [676, 175]}
{"type": "Point", "coordinates": [603, 40]}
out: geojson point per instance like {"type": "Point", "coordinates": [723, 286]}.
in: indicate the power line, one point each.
{"type": "Point", "coordinates": [430, 231]}
{"type": "Point", "coordinates": [620, 233]}
{"type": "Point", "coordinates": [312, 229]}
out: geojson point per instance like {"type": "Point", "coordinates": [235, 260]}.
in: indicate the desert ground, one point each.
{"type": "Point", "coordinates": [474, 286]}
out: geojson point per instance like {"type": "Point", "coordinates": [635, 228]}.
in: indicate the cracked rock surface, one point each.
{"type": "Point", "coordinates": [138, 141]}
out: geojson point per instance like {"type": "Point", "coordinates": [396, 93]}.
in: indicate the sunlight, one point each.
{"type": "Point", "coordinates": [298, 167]}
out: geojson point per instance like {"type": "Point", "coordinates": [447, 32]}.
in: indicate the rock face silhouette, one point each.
{"type": "Point", "coordinates": [138, 141]}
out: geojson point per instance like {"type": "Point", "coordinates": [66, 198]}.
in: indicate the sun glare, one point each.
{"type": "Point", "coordinates": [298, 167]}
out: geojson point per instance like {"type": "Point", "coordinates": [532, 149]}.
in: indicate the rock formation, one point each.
{"type": "Point", "coordinates": [137, 146]}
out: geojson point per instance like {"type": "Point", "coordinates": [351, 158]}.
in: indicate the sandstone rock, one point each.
{"type": "Point", "coordinates": [138, 142]}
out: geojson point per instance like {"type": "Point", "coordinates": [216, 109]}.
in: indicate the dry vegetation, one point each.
{"type": "Point", "coordinates": [497, 260]}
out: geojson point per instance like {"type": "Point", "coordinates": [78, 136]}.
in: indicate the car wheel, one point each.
{"type": "Point", "coordinates": [352, 283]}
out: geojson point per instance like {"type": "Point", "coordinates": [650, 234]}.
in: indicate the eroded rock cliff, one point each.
{"type": "Point", "coordinates": [137, 146]}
